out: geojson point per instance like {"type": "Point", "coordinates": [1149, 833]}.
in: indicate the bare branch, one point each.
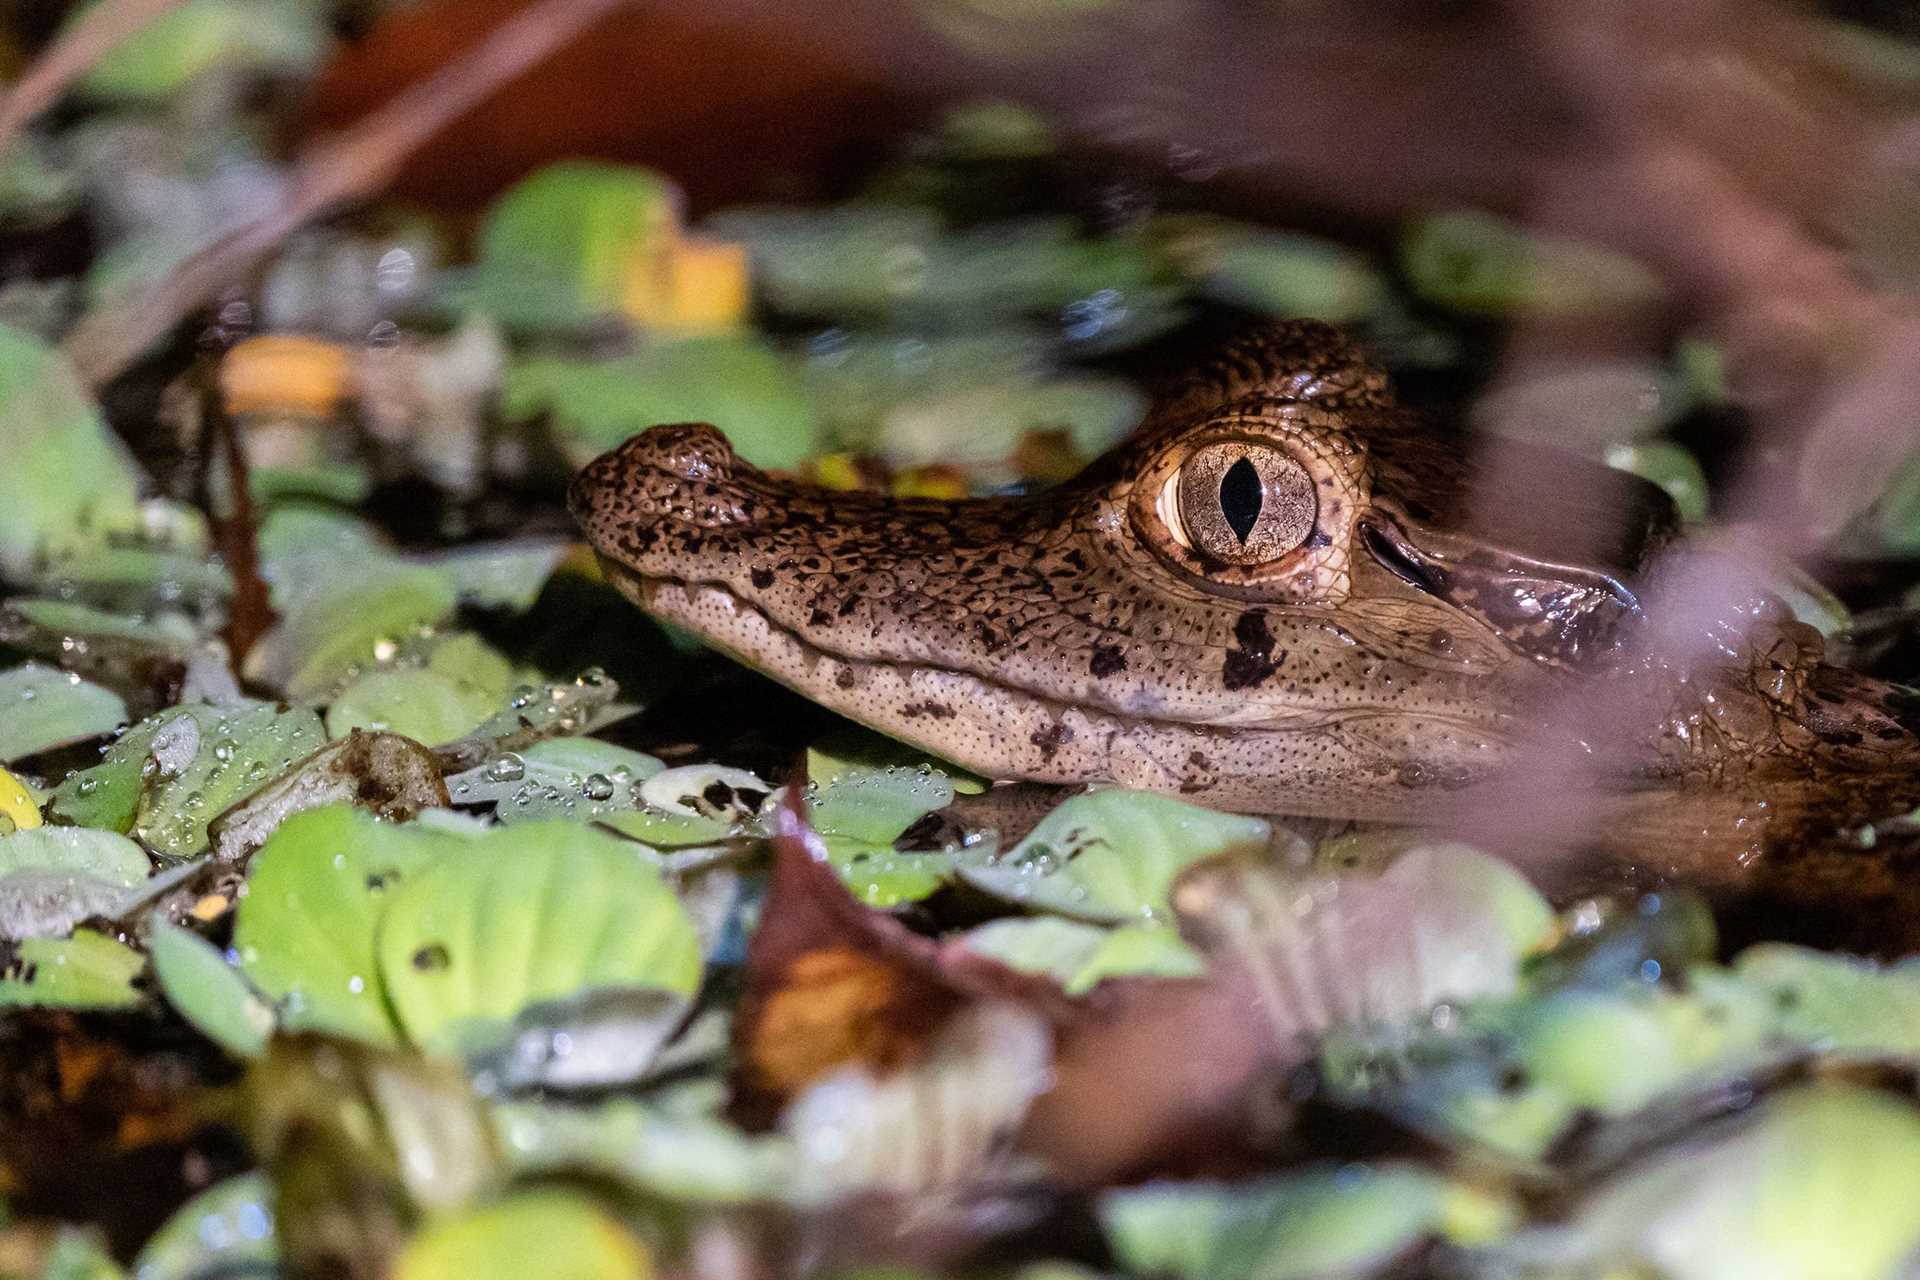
{"type": "Point", "coordinates": [83, 44]}
{"type": "Point", "coordinates": [350, 167]}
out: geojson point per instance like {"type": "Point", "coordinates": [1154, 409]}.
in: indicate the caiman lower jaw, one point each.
{"type": "Point", "coordinates": [1353, 766]}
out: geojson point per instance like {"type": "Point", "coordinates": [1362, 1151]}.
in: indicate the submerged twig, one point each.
{"type": "Point", "coordinates": [236, 531]}
{"type": "Point", "coordinates": [354, 165]}
{"type": "Point", "coordinates": [95, 34]}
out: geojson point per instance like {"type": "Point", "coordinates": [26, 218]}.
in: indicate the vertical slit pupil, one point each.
{"type": "Point", "coordinates": [1240, 498]}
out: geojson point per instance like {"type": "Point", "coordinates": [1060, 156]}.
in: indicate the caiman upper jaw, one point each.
{"type": "Point", "coordinates": [683, 475]}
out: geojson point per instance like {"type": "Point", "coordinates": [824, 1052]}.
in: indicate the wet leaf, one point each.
{"type": "Point", "coordinates": [536, 713]}
{"type": "Point", "coordinates": [528, 914]}
{"type": "Point", "coordinates": [207, 991]}
{"type": "Point", "coordinates": [82, 484]}
{"type": "Point", "coordinates": [52, 878]}
{"type": "Point", "coordinates": [576, 778]}
{"type": "Point", "coordinates": [42, 707]}
{"type": "Point", "coordinates": [737, 383]}
{"type": "Point", "coordinates": [42, 903]}
{"type": "Point", "coordinates": [110, 857]}
{"type": "Point", "coordinates": [87, 971]}
{"type": "Point", "coordinates": [226, 1228]}
{"type": "Point", "coordinates": [418, 702]}
{"type": "Point", "coordinates": [140, 579]}
{"type": "Point", "coordinates": [387, 775]}
{"type": "Point", "coordinates": [1081, 956]}
{"type": "Point", "coordinates": [1111, 855]}
{"type": "Point", "coordinates": [546, 1233]}
{"type": "Point", "coordinates": [333, 625]}
{"type": "Point", "coordinates": [861, 811]}
{"type": "Point", "coordinates": [305, 931]}
{"type": "Point", "coordinates": [170, 775]}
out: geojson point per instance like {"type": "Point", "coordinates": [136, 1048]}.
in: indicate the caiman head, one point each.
{"type": "Point", "coordinates": [1282, 594]}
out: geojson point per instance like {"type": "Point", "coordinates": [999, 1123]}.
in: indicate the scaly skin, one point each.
{"type": "Point", "coordinates": [1401, 654]}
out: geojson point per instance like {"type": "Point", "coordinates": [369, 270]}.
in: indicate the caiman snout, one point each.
{"type": "Point", "coordinates": [684, 473]}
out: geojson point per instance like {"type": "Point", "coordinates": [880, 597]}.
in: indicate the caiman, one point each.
{"type": "Point", "coordinates": [1283, 594]}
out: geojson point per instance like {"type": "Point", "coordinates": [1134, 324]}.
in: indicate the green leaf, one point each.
{"type": "Point", "coordinates": [1343, 1221]}
{"type": "Point", "coordinates": [1841, 1004]}
{"type": "Point", "coordinates": [549, 1233]}
{"type": "Point", "coordinates": [101, 854]}
{"type": "Point", "coordinates": [849, 259]}
{"type": "Point", "coordinates": [228, 1229]}
{"type": "Point", "coordinates": [1669, 466]}
{"type": "Point", "coordinates": [1444, 922]}
{"type": "Point", "coordinates": [691, 1158]}
{"type": "Point", "coordinates": [1817, 1182]}
{"type": "Point", "coordinates": [530, 913]}
{"type": "Point", "coordinates": [501, 575]}
{"type": "Point", "coordinates": [171, 50]}
{"type": "Point", "coordinates": [1285, 274]}
{"type": "Point", "coordinates": [43, 707]}
{"type": "Point", "coordinates": [87, 971]}
{"type": "Point", "coordinates": [1081, 956]}
{"type": "Point", "coordinates": [666, 830]}
{"type": "Point", "coordinates": [66, 630]}
{"type": "Point", "coordinates": [71, 481]}
{"type": "Point", "coordinates": [1482, 265]}
{"type": "Point", "coordinates": [305, 931]}
{"type": "Point", "coordinates": [604, 1038]}
{"type": "Point", "coordinates": [1111, 855]}
{"type": "Point", "coordinates": [571, 236]}
{"type": "Point", "coordinates": [77, 1254]}
{"type": "Point", "coordinates": [207, 991]}
{"type": "Point", "coordinates": [985, 424]}
{"type": "Point", "coordinates": [740, 384]}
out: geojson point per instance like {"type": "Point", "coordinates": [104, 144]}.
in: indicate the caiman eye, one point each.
{"type": "Point", "coordinates": [1240, 503]}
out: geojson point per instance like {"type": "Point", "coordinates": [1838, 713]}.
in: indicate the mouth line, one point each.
{"type": "Point", "coordinates": [645, 587]}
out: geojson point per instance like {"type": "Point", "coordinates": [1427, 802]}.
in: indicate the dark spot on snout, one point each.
{"type": "Point", "coordinates": [1051, 739]}
{"type": "Point", "coordinates": [1252, 659]}
{"type": "Point", "coordinates": [1107, 661]}
{"type": "Point", "coordinates": [762, 579]}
